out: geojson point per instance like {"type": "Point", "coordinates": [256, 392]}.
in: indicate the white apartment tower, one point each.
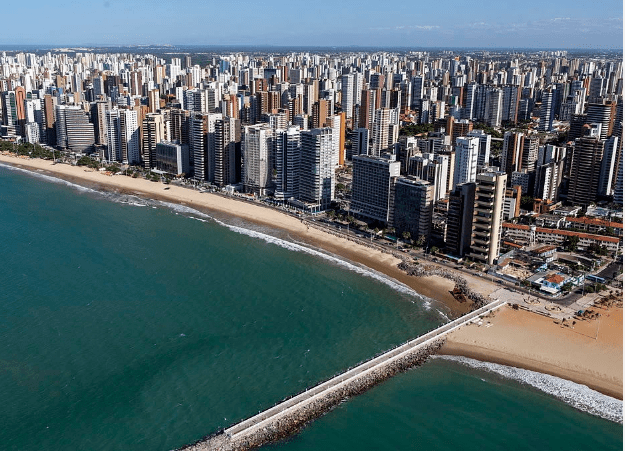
{"type": "Point", "coordinates": [465, 168]}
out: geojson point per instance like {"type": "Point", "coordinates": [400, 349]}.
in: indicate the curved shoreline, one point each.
{"type": "Point", "coordinates": [426, 282]}
{"type": "Point", "coordinates": [435, 288]}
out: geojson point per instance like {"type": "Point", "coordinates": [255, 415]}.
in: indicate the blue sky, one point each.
{"type": "Point", "coordinates": [451, 23]}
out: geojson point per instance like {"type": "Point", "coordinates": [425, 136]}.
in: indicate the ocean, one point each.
{"type": "Point", "coordinates": [128, 324]}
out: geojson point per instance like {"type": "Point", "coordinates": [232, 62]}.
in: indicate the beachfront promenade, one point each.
{"type": "Point", "coordinates": [290, 415]}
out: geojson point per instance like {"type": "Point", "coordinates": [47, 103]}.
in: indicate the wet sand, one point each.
{"type": "Point", "coordinates": [436, 288]}
{"type": "Point", "coordinates": [589, 352]}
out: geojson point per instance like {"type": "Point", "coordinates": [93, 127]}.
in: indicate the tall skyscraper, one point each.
{"type": "Point", "coordinates": [153, 133]}
{"type": "Point", "coordinates": [494, 107]}
{"type": "Point", "coordinates": [372, 186]}
{"type": "Point", "coordinates": [225, 153]}
{"type": "Point", "coordinates": [381, 124]}
{"type": "Point", "coordinates": [73, 129]}
{"type": "Point", "coordinates": [585, 168]}
{"type": "Point", "coordinates": [547, 110]}
{"type": "Point", "coordinates": [609, 166]}
{"type": "Point", "coordinates": [467, 150]}
{"type": "Point", "coordinates": [602, 113]}
{"type": "Point", "coordinates": [317, 175]}
{"type": "Point", "coordinates": [257, 147]}
{"type": "Point", "coordinates": [460, 219]}
{"type": "Point", "coordinates": [288, 156]}
{"type": "Point", "coordinates": [487, 216]}
{"type": "Point", "coordinates": [483, 157]}
{"type": "Point", "coordinates": [412, 204]}
{"type": "Point", "coordinates": [347, 95]}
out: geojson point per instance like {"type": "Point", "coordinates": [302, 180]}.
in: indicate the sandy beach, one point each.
{"type": "Point", "coordinates": [436, 288]}
{"type": "Point", "coordinates": [516, 338]}
{"type": "Point", "coordinates": [589, 352]}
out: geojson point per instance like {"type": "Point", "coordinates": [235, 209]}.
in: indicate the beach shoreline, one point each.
{"type": "Point", "coordinates": [433, 287]}
{"type": "Point", "coordinates": [589, 353]}
{"type": "Point", "coordinates": [470, 341]}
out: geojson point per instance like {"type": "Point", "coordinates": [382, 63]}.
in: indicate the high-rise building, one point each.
{"type": "Point", "coordinates": [381, 124]}
{"type": "Point", "coordinates": [417, 90]}
{"type": "Point", "coordinates": [460, 219]}
{"type": "Point", "coordinates": [602, 113]}
{"type": "Point", "coordinates": [511, 156]}
{"type": "Point", "coordinates": [172, 158]}
{"type": "Point", "coordinates": [347, 95]}
{"type": "Point", "coordinates": [494, 107]}
{"type": "Point", "coordinates": [487, 216]}
{"type": "Point", "coordinates": [465, 169]}
{"type": "Point", "coordinates": [360, 142]}
{"type": "Point", "coordinates": [73, 129]}
{"type": "Point", "coordinates": [483, 156]}
{"type": "Point", "coordinates": [130, 137]}
{"type": "Point", "coordinates": [618, 191]}
{"type": "Point", "coordinates": [371, 186]}
{"type": "Point", "coordinates": [288, 155]}
{"type": "Point", "coordinates": [585, 168]}
{"type": "Point", "coordinates": [547, 110]}
{"type": "Point", "coordinates": [317, 174]}
{"type": "Point", "coordinates": [412, 201]}
{"type": "Point", "coordinates": [225, 153]}
{"type": "Point", "coordinates": [609, 166]}
{"type": "Point", "coordinates": [154, 100]}
{"type": "Point", "coordinates": [529, 155]}
{"type": "Point", "coordinates": [510, 106]}
{"type": "Point", "coordinates": [257, 147]}
{"type": "Point", "coordinates": [153, 133]}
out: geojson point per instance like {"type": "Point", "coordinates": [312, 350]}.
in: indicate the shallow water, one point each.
{"type": "Point", "coordinates": [129, 327]}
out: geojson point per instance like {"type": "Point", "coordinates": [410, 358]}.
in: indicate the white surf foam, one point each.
{"type": "Point", "coordinates": [301, 248]}
{"type": "Point", "coordinates": [135, 201]}
{"type": "Point", "coordinates": [48, 178]}
{"type": "Point", "coordinates": [576, 395]}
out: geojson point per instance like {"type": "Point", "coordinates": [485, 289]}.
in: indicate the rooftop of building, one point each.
{"type": "Point", "coordinates": [595, 221]}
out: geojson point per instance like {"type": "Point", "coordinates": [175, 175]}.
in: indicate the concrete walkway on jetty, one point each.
{"type": "Point", "coordinates": [292, 414]}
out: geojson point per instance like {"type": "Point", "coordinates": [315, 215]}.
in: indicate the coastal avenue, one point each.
{"type": "Point", "coordinates": [278, 420]}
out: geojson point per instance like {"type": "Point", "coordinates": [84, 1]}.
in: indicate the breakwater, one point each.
{"type": "Point", "coordinates": [289, 416]}
{"type": "Point", "coordinates": [461, 283]}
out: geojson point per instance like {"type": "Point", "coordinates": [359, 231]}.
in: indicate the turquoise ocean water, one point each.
{"type": "Point", "coordinates": [129, 327]}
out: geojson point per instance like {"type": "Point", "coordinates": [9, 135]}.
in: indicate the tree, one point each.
{"type": "Point", "coordinates": [420, 241]}
{"type": "Point", "coordinates": [434, 249]}
{"type": "Point", "coordinates": [567, 287]}
{"type": "Point", "coordinates": [406, 236]}
{"type": "Point", "coordinates": [570, 243]}
{"type": "Point", "coordinates": [527, 203]}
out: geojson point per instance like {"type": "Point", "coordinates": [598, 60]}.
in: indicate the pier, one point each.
{"type": "Point", "coordinates": [292, 414]}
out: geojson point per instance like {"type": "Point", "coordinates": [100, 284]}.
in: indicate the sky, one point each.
{"type": "Point", "coordinates": [408, 23]}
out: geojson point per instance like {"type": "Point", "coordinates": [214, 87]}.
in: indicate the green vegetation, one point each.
{"type": "Point", "coordinates": [490, 130]}
{"type": "Point", "coordinates": [570, 243]}
{"type": "Point", "coordinates": [86, 161]}
{"type": "Point", "coordinates": [27, 149]}
{"type": "Point", "coordinates": [416, 129]}
{"type": "Point", "coordinates": [598, 249]}
{"type": "Point", "coordinates": [567, 287]}
{"type": "Point", "coordinates": [527, 203]}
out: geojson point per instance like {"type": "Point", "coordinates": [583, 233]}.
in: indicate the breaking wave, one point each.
{"type": "Point", "coordinates": [576, 395]}
{"type": "Point", "coordinates": [136, 201]}
{"type": "Point", "coordinates": [300, 248]}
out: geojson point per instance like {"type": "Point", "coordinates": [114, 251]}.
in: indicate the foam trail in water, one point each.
{"type": "Point", "coordinates": [136, 201]}
{"type": "Point", "coordinates": [48, 178]}
{"type": "Point", "coordinates": [300, 248]}
{"type": "Point", "coordinates": [576, 395]}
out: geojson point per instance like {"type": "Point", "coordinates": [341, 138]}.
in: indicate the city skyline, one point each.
{"type": "Point", "coordinates": [484, 25]}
